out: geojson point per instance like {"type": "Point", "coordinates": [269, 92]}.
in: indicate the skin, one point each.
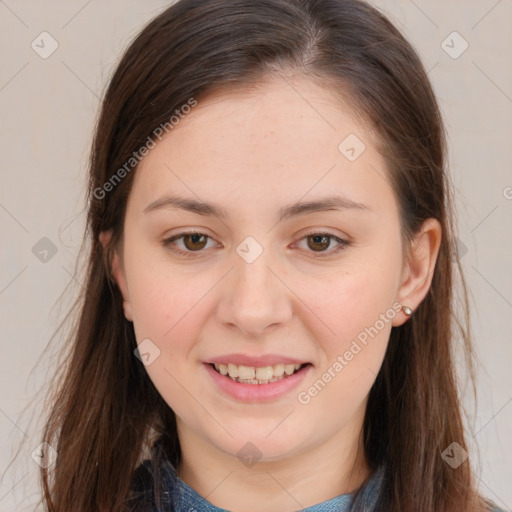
{"type": "Point", "coordinates": [253, 152]}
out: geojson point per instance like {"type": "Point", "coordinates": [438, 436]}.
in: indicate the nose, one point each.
{"type": "Point", "coordinates": [255, 298]}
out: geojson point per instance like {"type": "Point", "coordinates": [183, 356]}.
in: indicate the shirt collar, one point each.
{"type": "Point", "coordinates": [183, 498]}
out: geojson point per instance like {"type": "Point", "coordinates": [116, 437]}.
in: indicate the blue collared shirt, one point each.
{"type": "Point", "coordinates": [185, 499]}
{"type": "Point", "coordinates": [177, 496]}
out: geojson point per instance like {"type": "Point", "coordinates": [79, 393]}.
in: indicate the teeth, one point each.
{"type": "Point", "coordinates": [244, 372]}
{"type": "Point", "coordinates": [278, 370]}
{"type": "Point", "coordinates": [233, 370]}
{"type": "Point", "coordinates": [263, 375]}
{"type": "Point", "coordinates": [289, 369]}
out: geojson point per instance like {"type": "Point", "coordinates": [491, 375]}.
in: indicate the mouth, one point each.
{"type": "Point", "coordinates": [257, 375]}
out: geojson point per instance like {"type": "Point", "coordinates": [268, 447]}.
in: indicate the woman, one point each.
{"type": "Point", "coordinates": [268, 321]}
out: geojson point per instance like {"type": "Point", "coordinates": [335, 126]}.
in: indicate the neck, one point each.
{"type": "Point", "coordinates": [306, 478]}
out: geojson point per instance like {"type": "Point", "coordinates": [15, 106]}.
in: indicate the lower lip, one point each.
{"type": "Point", "coordinates": [257, 392]}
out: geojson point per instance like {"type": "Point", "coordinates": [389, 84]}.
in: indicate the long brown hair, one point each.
{"type": "Point", "coordinates": [105, 412]}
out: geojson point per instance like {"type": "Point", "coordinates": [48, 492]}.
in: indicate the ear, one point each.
{"type": "Point", "coordinates": [118, 274]}
{"type": "Point", "coordinates": [419, 267]}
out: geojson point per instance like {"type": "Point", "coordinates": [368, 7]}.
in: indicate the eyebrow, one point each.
{"type": "Point", "coordinates": [334, 202]}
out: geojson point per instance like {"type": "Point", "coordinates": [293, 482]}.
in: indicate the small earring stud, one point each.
{"type": "Point", "coordinates": [407, 310]}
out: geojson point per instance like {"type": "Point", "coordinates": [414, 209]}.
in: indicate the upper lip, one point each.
{"type": "Point", "coordinates": [255, 362]}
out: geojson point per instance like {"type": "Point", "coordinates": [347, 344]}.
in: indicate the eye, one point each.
{"type": "Point", "coordinates": [319, 242]}
{"type": "Point", "coordinates": [193, 241]}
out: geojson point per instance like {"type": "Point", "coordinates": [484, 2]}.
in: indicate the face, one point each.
{"type": "Point", "coordinates": [264, 283]}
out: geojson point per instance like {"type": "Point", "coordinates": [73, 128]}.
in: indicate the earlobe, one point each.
{"type": "Point", "coordinates": [118, 274]}
{"type": "Point", "coordinates": [419, 268]}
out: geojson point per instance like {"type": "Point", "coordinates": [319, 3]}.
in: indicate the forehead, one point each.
{"type": "Point", "coordinates": [279, 111]}
{"type": "Point", "coordinates": [281, 139]}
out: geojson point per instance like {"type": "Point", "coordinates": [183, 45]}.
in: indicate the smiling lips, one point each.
{"type": "Point", "coordinates": [256, 379]}
{"type": "Point", "coordinates": [257, 375]}
{"type": "Point", "coordinates": [261, 369]}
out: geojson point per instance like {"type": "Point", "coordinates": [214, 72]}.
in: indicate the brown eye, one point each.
{"type": "Point", "coordinates": [188, 243]}
{"type": "Point", "coordinates": [319, 242]}
{"type": "Point", "coordinates": [195, 241]}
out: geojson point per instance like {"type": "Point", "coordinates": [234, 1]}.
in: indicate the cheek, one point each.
{"type": "Point", "coordinates": [166, 307]}
{"type": "Point", "coordinates": [359, 311]}
{"type": "Point", "coordinates": [163, 297]}
{"type": "Point", "coordinates": [359, 319]}
{"type": "Point", "coordinates": [353, 311]}
{"type": "Point", "coordinates": [354, 298]}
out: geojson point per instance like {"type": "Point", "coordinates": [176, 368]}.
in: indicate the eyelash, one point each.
{"type": "Point", "coordinates": [323, 254]}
